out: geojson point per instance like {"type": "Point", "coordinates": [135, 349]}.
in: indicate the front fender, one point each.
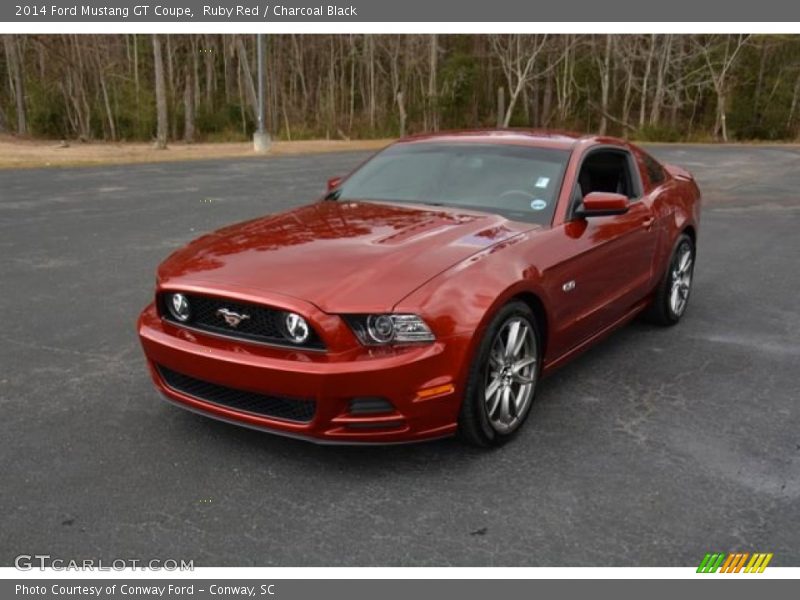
{"type": "Point", "coordinates": [462, 300]}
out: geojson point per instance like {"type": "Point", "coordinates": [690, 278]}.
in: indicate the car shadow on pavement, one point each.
{"type": "Point", "coordinates": [428, 456]}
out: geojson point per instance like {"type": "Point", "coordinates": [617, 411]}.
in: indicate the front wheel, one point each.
{"type": "Point", "coordinates": [502, 379]}
{"type": "Point", "coordinates": [672, 295]}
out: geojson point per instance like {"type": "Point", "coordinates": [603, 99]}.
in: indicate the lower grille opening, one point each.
{"type": "Point", "coordinates": [277, 407]}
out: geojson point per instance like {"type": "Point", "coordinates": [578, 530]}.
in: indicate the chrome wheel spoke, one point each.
{"type": "Point", "coordinates": [674, 298]}
{"type": "Point", "coordinates": [519, 401]}
{"type": "Point", "coordinates": [492, 388]}
{"type": "Point", "coordinates": [685, 262]}
{"type": "Point", "coordinates": [523, 362]}
{"type": "Point", "coordinates": [523, 379]}
{"type": "Point", "coordinates": [493, 404]}
{"type": "Point", "coordinates": [511, 340]}
{"type": "Point", "coordinates": [522, 336]}
{"type": "Point", "coordinates": [505, 408]}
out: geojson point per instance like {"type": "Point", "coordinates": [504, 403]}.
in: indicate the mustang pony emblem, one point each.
{"type": "Point", "coordinates": [232, 318]}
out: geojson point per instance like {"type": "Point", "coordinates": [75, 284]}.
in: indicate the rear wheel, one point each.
{"type": "Point", "coordinates": [502, 380]}
{"type": "Point", "coordinates": [672, 295]}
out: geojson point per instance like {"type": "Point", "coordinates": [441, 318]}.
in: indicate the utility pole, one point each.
{"type": "Point", "coordinates": [261, 139]}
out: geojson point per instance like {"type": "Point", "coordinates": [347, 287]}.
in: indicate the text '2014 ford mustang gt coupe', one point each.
{"type": "Point", "coordinates": [426, 293]}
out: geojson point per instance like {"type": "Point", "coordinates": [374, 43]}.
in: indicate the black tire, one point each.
{"type": "Point", "coordinates": [661, 310]}
{"type": "Point", "coordinates": [474, 425]}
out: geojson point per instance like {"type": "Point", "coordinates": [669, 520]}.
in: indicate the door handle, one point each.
{"type": "Point", "coordinates": [647, 222]}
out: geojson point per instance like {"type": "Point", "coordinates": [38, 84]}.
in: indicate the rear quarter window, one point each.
{"type": "Point", "coordinates": [653, 169]}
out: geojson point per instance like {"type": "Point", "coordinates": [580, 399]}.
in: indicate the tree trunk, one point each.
{"type": "Point", "coordinates": [646, 80]}
{"type": "Point", "coordinates": [433, 88]}
{"type": "Point", "coordinates": [249, 88]}
{"type": "Point", "coordinates": [722, 115]}
{"type": "Point", "coordinates": [401, 107]}
{"type": "Point", "coordinates": [107, 103]}
{"type": "Point", "coordinates": [535, 105]}
{"type": "Point", "coordinates": [371, 71]}
{"type": "Point", "coordinates": [15, 72]}
{"type": "Point", "coordinates": [756, 113]}
{"type": "Point", "coordinates": [547, 101]}
{"type": "Point", "coordinates": [793, 106]}
{"type": "Point", "coordinates": [658, 96]}
{"type": "Point", "coordinates": [161, 95]}
{"type": "Point", "coordinates": [605, 84]}
{"type": "Point", "coordinates": [136, 84]}
{"type": "Point", "coordinates": [188, 110]}
{"type": "Point", "coordinates": [501, 106]}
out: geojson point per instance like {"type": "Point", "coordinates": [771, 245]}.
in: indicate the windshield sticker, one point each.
{"type": "Point", "coordinates": [538, 204]}
{"type": "Point", "coordinates": [542, 182]}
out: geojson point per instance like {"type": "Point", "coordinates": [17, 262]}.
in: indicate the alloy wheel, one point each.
{"type": "Point", "coordinates": [511, 374]}
{"type": "Point", "coordinates": [681, 279]}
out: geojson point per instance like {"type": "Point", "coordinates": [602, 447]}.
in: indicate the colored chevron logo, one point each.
{"type": "Point", "coordinates": [734, 562]}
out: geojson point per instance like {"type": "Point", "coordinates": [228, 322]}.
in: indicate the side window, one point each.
{"type": "Point", "coordinates": [655, 172]}
{"type": "Point", "coordinates": [607, 171]}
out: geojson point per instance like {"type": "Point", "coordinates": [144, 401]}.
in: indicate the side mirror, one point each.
{"type": "Point", "coordinates": [602, 204]}
{"type": "Point", "coordinates": [333, 183]}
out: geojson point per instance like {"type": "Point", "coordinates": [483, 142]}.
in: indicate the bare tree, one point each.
{"type": "Point", "coordinates": [793, 105]}
{"type": "Point", "coordinates": [433, 86]}
{"type": "Point", "coordinates": [720, 55]}
{"type": "Point", "coordinates": [661, 77]}
{"type": "Point", "coordinates": [188, 110]}
{"type": "Point", "coordinates": [517, 54]}
{"type": "Point", "coordinates": [605, 83]}
{"type": "Point", "coordinates": [161, 94]}
{"type": "Point", "coordinates": [17, 80]}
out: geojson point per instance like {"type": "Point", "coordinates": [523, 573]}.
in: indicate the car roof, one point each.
{"type": "Point", "coordinates": [541, 138]}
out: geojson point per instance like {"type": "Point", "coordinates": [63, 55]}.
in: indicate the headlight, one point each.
{"type": "Point", "coordinates": [178, 306]}
{"type": "Point", "coordinates": [296, 328]}
{"type": "Point", "coordinates": [380, 328]}
{"type": "Point", "coordinates": [375, 330]}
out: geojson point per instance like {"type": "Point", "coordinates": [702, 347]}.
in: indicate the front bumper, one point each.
{"type": "Point", "coordinates": [420, 382]}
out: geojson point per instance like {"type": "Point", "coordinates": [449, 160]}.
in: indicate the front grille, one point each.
{"type": "Point", "coordinates": [278, 407]}
{"type": "Point", "coordinates": [262, 325]}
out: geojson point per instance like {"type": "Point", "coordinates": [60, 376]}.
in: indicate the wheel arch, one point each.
{"type": "Point", "coordinates": [691, 231]}
{"type": "Point", "coordinates": [536, 305]}
{"type": "Point", "coordinates": [521, 292]}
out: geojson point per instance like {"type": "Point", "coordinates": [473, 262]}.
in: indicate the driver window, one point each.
{"type": "Point", "coordinates": [606, 171]}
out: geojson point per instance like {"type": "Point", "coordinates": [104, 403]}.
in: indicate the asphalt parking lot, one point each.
{"type": "Point", "coordinates": [650, 450]}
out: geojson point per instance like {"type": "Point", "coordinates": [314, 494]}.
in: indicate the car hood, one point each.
{"type": "Point", "coordinates": [340, 256]}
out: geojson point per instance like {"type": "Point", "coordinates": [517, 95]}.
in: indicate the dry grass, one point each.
{"type": "Point", "coordinates": [16, 153]}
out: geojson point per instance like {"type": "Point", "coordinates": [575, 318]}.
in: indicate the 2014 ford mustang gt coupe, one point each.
{"type": "Point", "coordinates": [428, 292]}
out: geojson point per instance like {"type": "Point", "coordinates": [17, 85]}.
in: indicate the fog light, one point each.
{"type": "Point", "coordinates": [370, 406]}
{"type": "Point", "coordinates": [178, 306]}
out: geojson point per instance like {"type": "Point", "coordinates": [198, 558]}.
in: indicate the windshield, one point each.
{"type": "Point", "coordinates": [518, 182]}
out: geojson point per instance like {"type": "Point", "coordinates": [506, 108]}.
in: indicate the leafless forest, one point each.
{"type": "Point", "coordinates": [203, 87]}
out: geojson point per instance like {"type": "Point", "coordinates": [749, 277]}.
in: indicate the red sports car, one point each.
{"type": "Point", "coordinates": [428, 292]}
